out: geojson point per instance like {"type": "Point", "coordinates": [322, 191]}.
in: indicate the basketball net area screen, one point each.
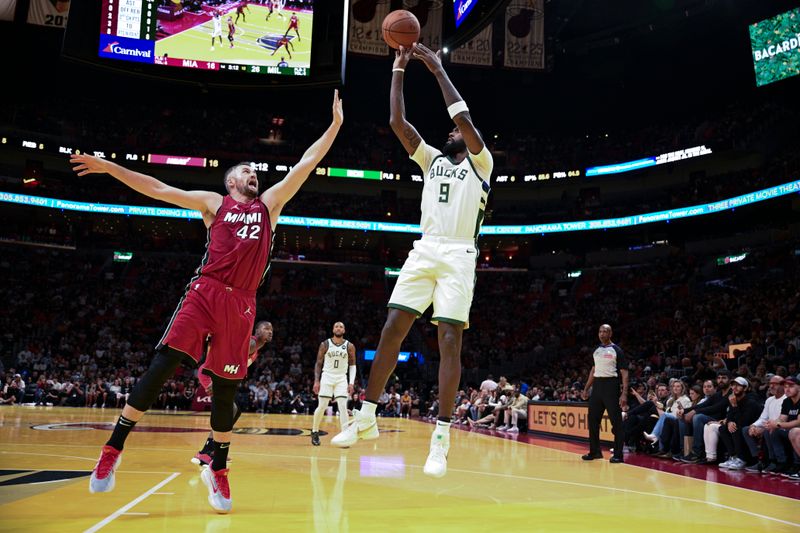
{"type": "Point", "coordinates": [264, 37]}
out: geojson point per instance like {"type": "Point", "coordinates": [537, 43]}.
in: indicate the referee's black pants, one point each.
{"type": "Point", "coordinates": [605, 397]}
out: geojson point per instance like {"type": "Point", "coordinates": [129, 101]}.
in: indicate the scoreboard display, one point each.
{"type": "Point", "coordinates": [267, 37]}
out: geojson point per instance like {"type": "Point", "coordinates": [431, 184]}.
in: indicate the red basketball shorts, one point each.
{"type": "Point", "coordinates": [218, 316]}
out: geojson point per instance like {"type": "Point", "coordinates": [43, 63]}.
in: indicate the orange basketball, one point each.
{"type": "Point", "coordinates": [400, 28]}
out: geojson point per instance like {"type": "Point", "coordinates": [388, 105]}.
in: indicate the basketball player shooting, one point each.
{"type": "Point", "coordinates": [262, 336]}
{"type": "Point", "coordinates": [441, 267]}
{"type": "Point", "coordinates": [334, 377]}
{"type": "Point", "coordinates": [219, 303]}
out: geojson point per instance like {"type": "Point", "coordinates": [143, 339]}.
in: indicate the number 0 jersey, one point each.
{"type": "Point", "coordinates": [454, 195]}
{"type": "Point", "coordinates": [239, 244]}
{"type": "Point", "coordinates": [336, 360]}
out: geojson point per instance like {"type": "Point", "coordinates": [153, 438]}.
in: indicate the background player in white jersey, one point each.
{"type": "Point", "coordinates": [334, 376]}
{"type": "Point", "coordinates": [217, 31]}
{"type": "Point", "coordinates": [441, 267]}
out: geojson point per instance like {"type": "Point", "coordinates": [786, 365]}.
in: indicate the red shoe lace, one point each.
{"type": "Point", "coordinates": [106, 462]}
{"type": "Point", "coordinates": [221, 478]}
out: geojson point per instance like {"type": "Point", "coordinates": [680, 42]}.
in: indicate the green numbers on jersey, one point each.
{"type": "Point", "coordinates": [444, 193]}
{"type": "Point", "coordinates": [249, 232]}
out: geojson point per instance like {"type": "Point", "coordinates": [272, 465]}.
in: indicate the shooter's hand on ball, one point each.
{"type": "Point", "coordinates": [402, 56]}
{"type": "Point", "coordinates": [432, 60]}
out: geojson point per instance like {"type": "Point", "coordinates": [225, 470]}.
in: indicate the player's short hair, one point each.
{"type": "Point", "coordinates": [231, 171]}
{"type": "Point", "coordinates": [262, 323]}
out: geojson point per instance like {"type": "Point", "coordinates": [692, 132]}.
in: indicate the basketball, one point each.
{"type": "Point", "coordinates": [400, 28]}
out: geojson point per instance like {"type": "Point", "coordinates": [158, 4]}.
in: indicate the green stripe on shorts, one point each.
{"type": "Point", "coordinates": [404, 308]}
{"type": "Point", "coordinates": [448, 320]}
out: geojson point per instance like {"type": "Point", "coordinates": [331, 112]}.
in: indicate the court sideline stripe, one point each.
{"type": "Point", "coordinates": [124, 509]}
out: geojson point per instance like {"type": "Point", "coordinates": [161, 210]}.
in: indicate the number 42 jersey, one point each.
{"type": "Point", "coordinates": [239, 244]}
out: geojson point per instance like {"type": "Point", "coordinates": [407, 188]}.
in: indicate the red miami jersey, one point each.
{"type": "Point", "coordinates": [239, 244]}
{"type": "Point", "coordinates": [293, 22]}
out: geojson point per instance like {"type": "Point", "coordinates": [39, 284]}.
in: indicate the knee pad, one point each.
{"type": "Point", "coordinates": [163, 367]}
{"type": "Point", "coordinates": [222, 403]}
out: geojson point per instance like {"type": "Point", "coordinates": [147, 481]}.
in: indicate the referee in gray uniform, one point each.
{"type": "Point", "coordinates": [607, 394]}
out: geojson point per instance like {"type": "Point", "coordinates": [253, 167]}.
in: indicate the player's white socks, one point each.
{"type": "Point", "coordinates": [319, 412]}
{"type": "Point", "coordinates": [442, 427]}
{"type": "Point", "coordinates": [368, 408]}
{"type": "Point", "coordinates": [342, 404]}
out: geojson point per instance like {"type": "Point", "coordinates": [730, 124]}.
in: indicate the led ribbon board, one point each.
{"type": "Point", "coordinates": [791, 187]}
{"type": "Point", "coordinates": [669, 157]}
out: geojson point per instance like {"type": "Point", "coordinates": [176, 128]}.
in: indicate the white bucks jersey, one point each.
{"type": "Point", "coordinates": [454, 195]}
{"type": "Point", "coordinates": [336, 359]}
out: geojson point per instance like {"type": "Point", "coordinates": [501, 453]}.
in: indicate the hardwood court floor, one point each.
{"type": "Point", "coordinates": [281, 483]}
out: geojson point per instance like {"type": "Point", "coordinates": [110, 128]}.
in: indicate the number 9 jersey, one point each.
{"type": "Point", "coordinates": [454, 195]}
{"type": "Point", "coordinates": [440, 270]}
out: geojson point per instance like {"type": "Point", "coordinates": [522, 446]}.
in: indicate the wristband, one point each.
{"type": "Point", "coordinates": [398, 70]}
{"type": "Point", "coordinates": [458, 107]}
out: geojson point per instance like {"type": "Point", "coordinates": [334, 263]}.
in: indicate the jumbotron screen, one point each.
{"type": "Point", "coordinates": [266, 37]}
{"type": "Point", "coordinates": [776, 47]}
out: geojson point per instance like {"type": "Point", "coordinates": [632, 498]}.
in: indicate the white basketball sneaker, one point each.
{"type": "Point", "coordinates": [436, 465]}
{"type": "Point", "coordinates": [362, 427]}
{"type": "Point", "coordinates": [219, 491]}
{"type": "Point", "coordinates": [102, 479]}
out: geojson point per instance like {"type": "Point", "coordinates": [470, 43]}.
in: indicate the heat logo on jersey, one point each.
{"type": "Point", "coordinates": [247, 218]}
